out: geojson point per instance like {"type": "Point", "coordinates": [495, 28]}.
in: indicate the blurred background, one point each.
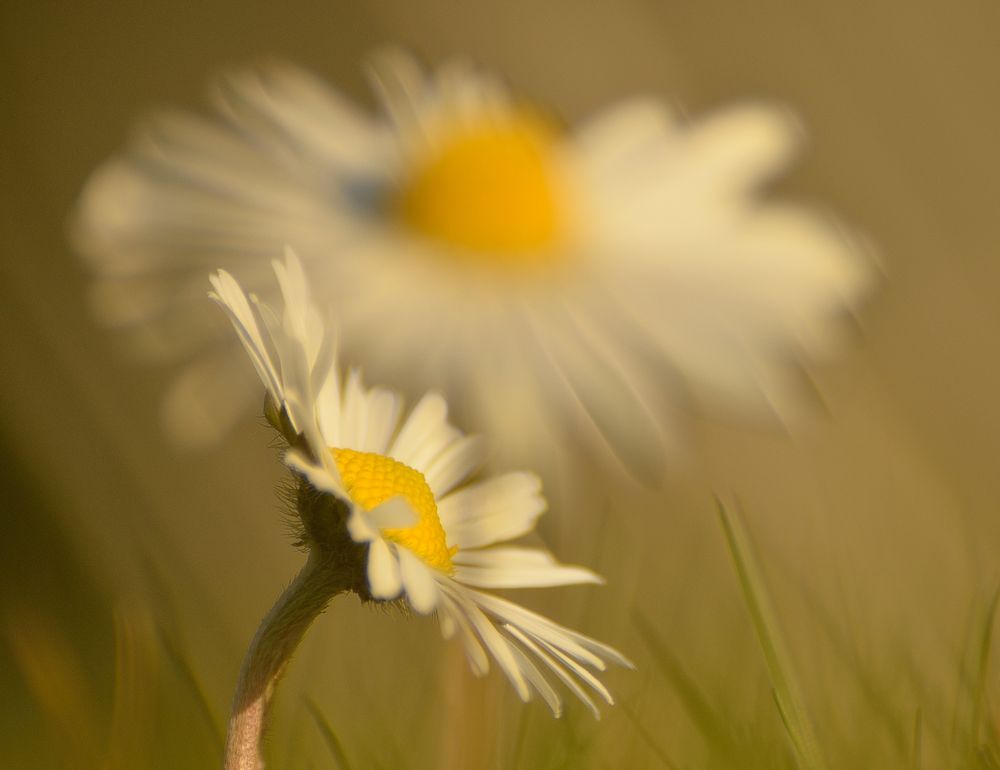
{"type": "Point", "coordinates": [134, 574]}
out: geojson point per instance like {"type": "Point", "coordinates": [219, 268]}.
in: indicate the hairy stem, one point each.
{"type": "Point", "coordinates": [270, 651]}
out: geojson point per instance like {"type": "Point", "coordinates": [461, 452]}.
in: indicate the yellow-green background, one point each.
{"type": "Point", "coordinates": [876, 521]}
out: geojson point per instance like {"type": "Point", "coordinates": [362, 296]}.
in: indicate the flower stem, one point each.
{"type": "Point", "coordinates": [271, 649]}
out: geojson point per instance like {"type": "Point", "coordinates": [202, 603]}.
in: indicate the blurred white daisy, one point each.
{"type": "Point", "coordinates": [553, 282]}
{"type": "Point", "coordinates": [392, 495]}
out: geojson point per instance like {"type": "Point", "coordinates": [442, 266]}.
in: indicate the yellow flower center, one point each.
{"type": "Point", "coordinates": [371, 479]}
{"type": "Point", "coordinates": [488, 187]}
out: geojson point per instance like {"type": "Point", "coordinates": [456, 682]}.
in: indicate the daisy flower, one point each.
{"type": "Point", "coordinates": [556, 282]}
{"type": "Point", "coordinates": [386, 499]}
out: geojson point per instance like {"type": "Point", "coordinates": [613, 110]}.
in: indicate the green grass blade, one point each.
{"type": "Point", "coordinates": [877, 697]}
{"type": "Point", "coordinates": [712, 726]}
{"type": "Point", "coordinates": [982, 667]}
{"type": "Point", "coordinates": [968, 719]}
{"type": "Point", "coordinates": [520, 738]}
{"type": "Point", "coordinates": [184, 670]}
{"type": "Point", "coordinates": [647, 737]}
{"type": "Point", "coordinates": [329, 736]}
{"type": "Point", "coordinates": [916, 753]}
{"type": "Point", "coordinates": [136, 661]}
{"type": "Point", "coordinates": [776, 657]}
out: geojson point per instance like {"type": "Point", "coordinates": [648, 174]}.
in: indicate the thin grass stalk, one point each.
{"type": "Point", "coordinates": [787, 695]}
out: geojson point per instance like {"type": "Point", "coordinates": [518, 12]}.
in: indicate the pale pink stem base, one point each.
{"type": "Point", "coordinates": [270, 651]}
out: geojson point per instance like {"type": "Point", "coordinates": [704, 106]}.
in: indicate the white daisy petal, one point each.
{"type": "Point", "coordinates": [621, 136]}
{"type": "Point", "coordinates": [498, 647]}
{"type": "Point", "coordinates": [418, 582]}
{"type": "Point", "coordinates": [360, 527]}
{"type": "Point", "coordinates": [546, 643]}
{"type": "Point", "coordinates": [492, 511]}
{"type": "Point", "coordinates": [301, 320]}
{"type": "Point", "coordinates": [398, 82]}
{"type": "Point", "coordinates": [231, 298]}
{"type": "Point", "coordinates": [578, 669]}
{"type": "Point", "coordinates": [323, 369]}
{"type": "Point", "coordinates": [329, 410]}
{"type": "Point", "coordinates": [581, 647]}
{"type": "Point", "coordinates": [595, 374]}
{"type": "Point", "coordinates": [355, 412]}
{"type": "Point", "coordinates": [449, 626]}
{"type": "Point", "coordinates": [440, 443]}
{"type": "Point", "coordinates": [383, 412]}
{"type": "Point", "coordinates": [394, 513]}
{"type": "Point", "coordinates": [425, 433]}
{"type": "Point", "coordinates": [384, 579]}
{"type": "Point", "coordinates": [455, 464]}
{"type": "Point", "coordinates": [479, 661]}
{"type": "Point", "coordinates": [517, 568]}
{"type": "Point", "coordinates": [538, 681]}
{"type": "Point", "coordinates": [427, 417]}
{"type": "Point", "coordinates": [223, 171]}
{"type": "Point", "coordinates": [300, 106]}
{"type": "Point", "coordinates": [322, 477]}
{"type": "Point", "coordinates": [739, 146]}
{"type": "Point", "coordinates": [559, 670]}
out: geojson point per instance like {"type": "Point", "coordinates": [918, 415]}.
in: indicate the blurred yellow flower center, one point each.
{"type": "Point", "coordinates": [488, 186]}
{"type": "Point", "coordinates": [371, 479]}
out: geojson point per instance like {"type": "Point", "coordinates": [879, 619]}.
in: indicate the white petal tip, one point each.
{"type": "Point", "coordinates": [421, 605]}
{"type": "Point", "coordinates": [394, 513]}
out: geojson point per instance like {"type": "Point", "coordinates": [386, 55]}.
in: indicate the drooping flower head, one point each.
{"type": "Point", "coordinates": [551, 281]}
{"type": "Point", "coordinates": [389, 496]}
